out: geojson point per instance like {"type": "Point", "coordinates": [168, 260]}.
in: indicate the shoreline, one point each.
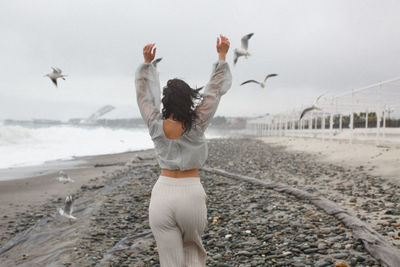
{"type": "Point", "coordinates": [31, 171]}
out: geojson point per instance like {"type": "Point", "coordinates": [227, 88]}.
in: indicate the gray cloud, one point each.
{"type": "Point", "coordinates": [314, 45]}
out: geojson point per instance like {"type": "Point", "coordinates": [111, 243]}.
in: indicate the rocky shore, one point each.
{"type": "Point", "coordinates": [247, 225]}
{"type": "Point", "coordinates": [370, 198]}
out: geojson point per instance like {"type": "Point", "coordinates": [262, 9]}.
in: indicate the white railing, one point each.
{"type": "Point", "coordinates": [368, 113]}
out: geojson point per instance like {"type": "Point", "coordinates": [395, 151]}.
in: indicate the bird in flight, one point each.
{"type": "Point", "coordinates": [64, 178]}
{"type": "Point", "coordinates": [243, 51]}
{"type": "Point", "coordinates": [262, 84]}
{"type": "Point", "coordinates": [313, 107]}
{"type": "Point", "coordinates": [156, 61]}
{"type": "Point", "coordinates": [67, 211]}
{"type": "Point", "coordinates": [55, 75]}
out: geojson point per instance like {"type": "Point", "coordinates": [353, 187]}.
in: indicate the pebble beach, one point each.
{"type": "Point", "coordinates": [248, 225]}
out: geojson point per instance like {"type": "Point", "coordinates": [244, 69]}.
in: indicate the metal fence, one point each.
{"type": "Point", "coordinates": [368, 113]}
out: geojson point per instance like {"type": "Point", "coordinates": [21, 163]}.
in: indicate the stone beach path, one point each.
{"type": "Point", "coordinates": [247, 225]}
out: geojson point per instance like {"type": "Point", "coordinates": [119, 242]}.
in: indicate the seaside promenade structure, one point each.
{"type": "Point", "coordinates": [368, 113]}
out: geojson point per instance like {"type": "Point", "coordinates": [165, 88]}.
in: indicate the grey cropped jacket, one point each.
{"type": "Point", "coordinates": [189, 151]}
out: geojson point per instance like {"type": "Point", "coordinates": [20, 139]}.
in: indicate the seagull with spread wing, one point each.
{"type": "Point", "coordinates": [156, 61]}
{"type": "Point", "coordinates": [55, 75]}
{"type": "Point", "coordinates": [313, 107]}
{"type": "Point", "coordinates": [67, 211]}
{"type": "Point", "coordinates": [243, 51]}
{"type": "Point", "coordinates": [262, 84]}
{"type": "Point", "coordinates": [64, 178]}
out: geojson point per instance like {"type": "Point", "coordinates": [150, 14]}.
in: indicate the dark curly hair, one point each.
{"type": "Point", "coordinates": [180, 101]}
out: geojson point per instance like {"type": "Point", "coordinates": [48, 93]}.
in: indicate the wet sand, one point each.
{"type": "Point", "coordinates": [36, 185]}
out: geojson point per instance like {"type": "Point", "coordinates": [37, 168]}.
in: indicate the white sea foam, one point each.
{"type": "Point", "coordinates": [28, 146]}
{"type": "Point", "coordinates": [25, 146]}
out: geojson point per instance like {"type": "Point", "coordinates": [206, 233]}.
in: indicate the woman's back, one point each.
{"type": "Point", "coordinates": [181, 152]}
{"type": "Point", "coordinates": [172, 129]}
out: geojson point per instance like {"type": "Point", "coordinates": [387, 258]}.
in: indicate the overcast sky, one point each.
{"type": "Point", "coordinates": [314, 46]}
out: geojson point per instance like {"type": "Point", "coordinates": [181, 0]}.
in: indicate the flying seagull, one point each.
{"type": "Point", "coordinates": [64, 178]}
{"type": "Point", "coordinates": [156, 61]}
{"type": "Point", "coordinates": [243, 50]}
{"type": "Point", "coordinates": [55, 75]}
{"type": "Point", "coordinates": [313, 107]}
{"type": "Point", "coordinates": [67, 211]}
{"type": "Point", "coordinates": [262, 84]}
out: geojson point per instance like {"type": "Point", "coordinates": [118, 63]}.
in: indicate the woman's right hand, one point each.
{"type": "Point", "coordinates": [222, 47]}
{"type": "Point", "coordinates": [149, 53]}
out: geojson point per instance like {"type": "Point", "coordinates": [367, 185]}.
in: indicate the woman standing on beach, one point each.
{"type": "Point", "coordinates": [178, 212]}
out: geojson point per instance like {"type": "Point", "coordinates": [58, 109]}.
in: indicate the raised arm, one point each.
{"type": "Point", "coordinates": [220, 82]}
{"type": "Point", "coordinates": [147, 83]}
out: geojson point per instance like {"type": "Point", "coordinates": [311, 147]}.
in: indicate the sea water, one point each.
{"type": "Point", "coordinates": [27, 146]}
{"type": "Point", "coordinates": [22, 145]}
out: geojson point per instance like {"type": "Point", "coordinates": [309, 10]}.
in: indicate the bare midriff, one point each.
{"type": "Point", "coordinates": [180, 174]}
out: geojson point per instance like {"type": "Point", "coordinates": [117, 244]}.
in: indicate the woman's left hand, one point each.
{"type": "Point", "coordinates": [149, 53]}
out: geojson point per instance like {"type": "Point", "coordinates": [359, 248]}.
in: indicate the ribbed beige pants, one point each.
{"type": "Point", "coordinates": [178, 217]}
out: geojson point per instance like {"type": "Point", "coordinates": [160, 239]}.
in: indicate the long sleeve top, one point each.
{"type": "Point", "coordinates": [189, 151]}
